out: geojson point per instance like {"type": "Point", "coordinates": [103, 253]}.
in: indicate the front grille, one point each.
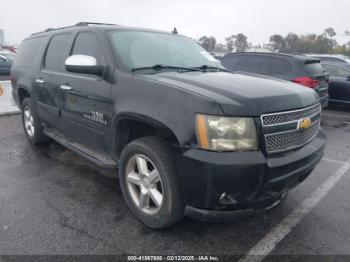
{"type": "Point", "coordinates": [282, 131]}
{"type": "Point", "coordinates": [278, 118]}
{"type": "Point", "coordinates": [289, 140]}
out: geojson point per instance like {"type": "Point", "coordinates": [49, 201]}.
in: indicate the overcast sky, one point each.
{"type": "Point", "coordinates": [258, 19]}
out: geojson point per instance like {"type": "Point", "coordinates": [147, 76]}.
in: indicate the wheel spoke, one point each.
{"type": "Point", "coordinates": [144, 200]}
{"type": "Point", "coordinates": [156, 196]}
{"type": "Point", "coordinates": [153, 177]}
{"type": "Point", "coordinates": [142, 165]}
{"type": "Point", "coordinates": [134, 178]}
{"type": "Point", "coordinates": [27, 114]}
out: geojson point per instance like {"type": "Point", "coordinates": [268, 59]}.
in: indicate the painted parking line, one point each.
{"type": "Point", "coordinates": [264, 247]}
{"type": "Point", "coordinates": [333, 161]}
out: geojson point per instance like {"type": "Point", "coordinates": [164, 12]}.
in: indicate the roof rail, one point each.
{"type": "Point", "coordinates": [91, 23]}
{"type": "Point", "coordinates": [78, 24]}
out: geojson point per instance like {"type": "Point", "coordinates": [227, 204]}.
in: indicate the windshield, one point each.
{"type": "Point", "coordinates": [138, 49]}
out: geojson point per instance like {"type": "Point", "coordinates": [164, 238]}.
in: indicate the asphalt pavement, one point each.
{"type": "Point", "coordinates": [53, 202]}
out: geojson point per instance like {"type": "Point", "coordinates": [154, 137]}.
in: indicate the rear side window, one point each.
{"type": "Point", "coordinates": [87, 43]}
{"type": "Point", "coordinates": [314, 69]}
{"type": "Point", "coordinates": [332, 59]}
{"type": "Point", "coordinates": [28, 52]}
{"type": "Point", "coordinates": [279, 65]}
{"type": "Point", "coordinates": [255, 64]}
{"type": "Point", "coordinates": [56, 53]}
{"type": "Point", "coordinates": [336, 70]}
{"type": "Point", "coordinates": [232, 62]}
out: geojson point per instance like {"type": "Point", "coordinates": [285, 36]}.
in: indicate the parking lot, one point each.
{"type": "Point", "coordinates": [53, 202]}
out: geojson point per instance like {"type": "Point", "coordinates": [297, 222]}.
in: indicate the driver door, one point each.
{"type": "Point", "coordinates": [85, 99]}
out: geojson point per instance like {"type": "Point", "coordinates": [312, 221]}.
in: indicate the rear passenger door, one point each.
{"type": "Point", "coordinates": [85, 99]}
{"type": "Point", "coordinates": [47, 83]}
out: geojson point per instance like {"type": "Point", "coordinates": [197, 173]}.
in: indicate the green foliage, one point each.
{"type": "Point", "coordinates": [291, 43]}
{"type": "Point", "coordinates": [208, 43]}
{"type": "Point", "coordinates": [237, 42]}
{"type": "Point", "coordinates": [310, 43]}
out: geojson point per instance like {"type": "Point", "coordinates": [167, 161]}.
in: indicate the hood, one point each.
{"type": "Point", "coordinates": [241, 95]}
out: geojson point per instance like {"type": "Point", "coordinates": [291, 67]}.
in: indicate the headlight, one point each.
{"type": "Point", "coordinates": [226, 133]}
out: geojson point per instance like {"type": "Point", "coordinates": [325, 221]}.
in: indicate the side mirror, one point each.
{"type": "Point", "coordinates": [83, 64]}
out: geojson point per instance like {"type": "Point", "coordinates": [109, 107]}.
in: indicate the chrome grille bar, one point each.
{"type": "Point", "coordinates": [287, 139]}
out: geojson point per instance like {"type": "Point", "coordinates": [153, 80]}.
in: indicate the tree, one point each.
{"type": "Point", "coordinates": [278, 43]}
{"type": "Point", "coordinates": [238, 42]}
{"type": "Point", "coordinates": [208, 43]}
{"type": "Point", "coordinates": [330, 32]}
{"type": "Point", "coordinates": [241, 43]}
{"type": "Point", "coordinates": [220, 47]}
{"type": "Point", "coordinates": [229, 42]}
{"type": "Point", "coordinates": [292, 41]}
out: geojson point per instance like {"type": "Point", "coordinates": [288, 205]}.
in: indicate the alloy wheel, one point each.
{"type": "Point", "coordinates": [144, 184]}
{"type": "Point", "coordinates": [28, 121]}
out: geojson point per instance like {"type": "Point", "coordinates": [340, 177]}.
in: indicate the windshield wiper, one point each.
{"type": "Point", "coordinates": [208, 67]}
{"type": "Point", "coordinates": [162, 67]}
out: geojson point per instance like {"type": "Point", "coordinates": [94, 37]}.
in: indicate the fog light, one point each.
{"type": "Point", "coordinates": [226, 199]}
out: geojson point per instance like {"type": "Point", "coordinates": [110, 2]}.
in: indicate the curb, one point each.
{"type": "Point", "coordinates": [10, 113]}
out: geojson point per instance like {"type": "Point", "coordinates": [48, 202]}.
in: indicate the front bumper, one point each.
{"type": "Point", "coordinates": [252, 181]}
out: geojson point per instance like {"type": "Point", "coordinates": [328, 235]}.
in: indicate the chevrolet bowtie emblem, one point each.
{"type": "Point", "coordinates": [304, 123]}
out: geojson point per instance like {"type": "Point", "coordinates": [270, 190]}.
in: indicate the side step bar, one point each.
{"type": "Point", "coordinates": [98, 158]}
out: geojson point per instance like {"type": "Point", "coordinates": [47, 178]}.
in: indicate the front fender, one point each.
{"type": "Point", "coordinates": [162, 104]}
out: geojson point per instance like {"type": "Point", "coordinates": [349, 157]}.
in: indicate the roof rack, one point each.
{"type": "Point", "coordinates": [76, 25]}
{"type": "Point", "coordinates": [91, 23]}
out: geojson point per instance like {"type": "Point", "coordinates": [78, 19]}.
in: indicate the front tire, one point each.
{"type": "Point", "coordinates": [31, 124]}
{"type": "Point", "coordinates": [149, 182]}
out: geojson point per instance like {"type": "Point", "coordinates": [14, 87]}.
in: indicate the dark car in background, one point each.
{"type": "Point", "coordinates": [299, 69]}
{"type": "Point", "coordinates": [6, 61]}
{"type": "Point", "coordinates": [339, 86]}
{"type": "Point", "coordinates": [332, 58]}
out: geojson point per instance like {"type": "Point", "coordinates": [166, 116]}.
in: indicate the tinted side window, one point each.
{"type": "Point", "coordinates": [56, 52]}
{"type": "Point", "coordinates": [231, 62]}
{"type": "Point", "coordinates": [87, 43]}
{"type": "Point", "coordinates": [28, 52]}
{"type": "Point", "coordinates": [279, 65]}
{"type": "Point", "coordinates": [332, 59]}
{"type": "Point", "coordinates": [255, 64]}
{"type": "Point", "coordinates": [337, 71]}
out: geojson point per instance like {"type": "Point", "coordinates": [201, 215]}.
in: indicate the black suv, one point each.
{"type": "Point", "coordinates": [300, 69]}
{"type": "Point", "coordinates": [188, 137]}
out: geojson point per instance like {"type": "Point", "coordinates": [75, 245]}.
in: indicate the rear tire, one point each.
{"type": "Point", "coordinates": [149, 182]}
{"type": "Point", "coordinates": [31, 124]}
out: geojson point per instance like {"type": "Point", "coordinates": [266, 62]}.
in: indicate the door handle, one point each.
{"type": "Point", "coordinates": [39, 81]}
{"type": "Point", "coordinates": [66, 87]}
